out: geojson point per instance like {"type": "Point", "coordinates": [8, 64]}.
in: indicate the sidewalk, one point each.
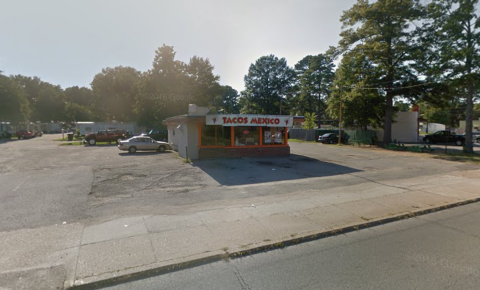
{"type": "Point", "coordinates": [81, 254]}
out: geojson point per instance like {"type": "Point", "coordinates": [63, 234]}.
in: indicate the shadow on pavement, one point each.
{"type": "Point", "coordinates": [241, 171]}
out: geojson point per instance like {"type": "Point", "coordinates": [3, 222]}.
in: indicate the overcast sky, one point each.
{"type": "Point", "coordinates": [68, 42]}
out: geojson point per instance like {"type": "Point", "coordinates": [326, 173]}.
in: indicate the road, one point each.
{"type": "Point", "coordinates": [434, 251]}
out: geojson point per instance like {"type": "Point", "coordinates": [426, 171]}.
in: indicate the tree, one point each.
{"type": "Point", "coordinates": [314, 78]}
{"type": "Point", "coordinates": [14, 104]}
{"type": "Point", "coordinates": [168, 88]}
{"type": "Point", "coordinates": [381, 31]}
{"type": "Point", "coordinates": [229, 99]}
{"type": "Point", "coordinates": [201, 82]}
{"type": "Point", "coordinates": [80, 95]}
{"type": "Point", "coordinates": [453, 34]}
{"type": "Point", "coordinates": [310, 119]}
{"type": "Point", "coordinates": [266, 84]}
{"type": "Point", "coordinates": [75, 112]}
{"type": "Point", "coordinates": [114, 90]}
{"type": "Point", "coordinates": [363, 104]}
{"type": "Point", "coordinates": [50, 103]}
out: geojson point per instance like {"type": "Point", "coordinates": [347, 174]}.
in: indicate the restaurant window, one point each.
{"type": "Point", "coordinates": [246, 136]}
{"type": "Point", "coordinates": [273, 136]}
{"type": "Point", "coordinates": [215, 136]}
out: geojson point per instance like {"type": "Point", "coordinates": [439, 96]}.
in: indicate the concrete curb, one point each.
{"type": "Point", "coordinates": [273, 245]}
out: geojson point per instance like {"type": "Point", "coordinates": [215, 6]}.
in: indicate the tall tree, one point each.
{"type": "Point", "coordinates": [14, 104]}
{"type": "Point", "coordinates": [382, 31]}
{"type": "Point", "coordinates": [114, 90]}
{"type": "Point", "coordinates": [50, 104]}
{"type": "Point", "coordinates": [80, 95]}
{"type": "Point", "coordinates": [168, 88]}
{"type": "Point", "coordinates": [201, 82]}
{"type": "Point", "coordinates": [268, 80]}
{"type": "Point", "coordinates": [454, 34]}
{"type": "Point", "coordinates": [229, 99]}
{"type": "Point", "coordinates": [314, 78]}
{"type": "Point", "coordinates": [363, 104]}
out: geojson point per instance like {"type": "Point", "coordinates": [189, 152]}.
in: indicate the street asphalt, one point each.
{"type": "Point", "coordinates": [435, 251]}
{"type": "Point", "coordinates": [74, 214]}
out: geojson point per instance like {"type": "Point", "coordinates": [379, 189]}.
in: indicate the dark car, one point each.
{"type": "Point", "coordinates": [158, 134]}
{"type": "Point", "coordinates": [444, 137]}
{"type": "Point", "coordinates": [330, 138]}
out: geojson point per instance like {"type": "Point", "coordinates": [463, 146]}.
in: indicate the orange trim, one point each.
{"type": "Point", "coordinates": [256, 146]}
{"type": "Point", "coordinates": [232, 136]}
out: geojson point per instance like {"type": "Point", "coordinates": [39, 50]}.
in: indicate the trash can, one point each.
{"type": "Point", "coordinates": [70, 136]}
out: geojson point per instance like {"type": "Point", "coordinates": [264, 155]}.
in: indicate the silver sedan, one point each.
{"type": "Point", "coordinates": [136, 143]}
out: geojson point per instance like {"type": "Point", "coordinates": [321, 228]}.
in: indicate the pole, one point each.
{"type": "Point", "coordinates": [340, 119]}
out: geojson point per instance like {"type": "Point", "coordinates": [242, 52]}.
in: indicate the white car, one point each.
{"type": "Point", "coordinates": [136, 143]}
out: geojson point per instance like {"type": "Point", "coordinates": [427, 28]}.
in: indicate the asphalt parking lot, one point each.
{"type": "Point", "coordinates": [44, 184]}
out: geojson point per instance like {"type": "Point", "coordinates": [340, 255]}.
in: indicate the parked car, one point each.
{"type": "Point", "coordinates": [24, 134]}
{"type": "Point", "coordinates": [105, 136]}
{"type": "Point", "coordinates": [136, 143]}
{"type": "Point", "coordinates": [444, 137]}
{"type": "Point", "coordinates": [158, 134]}
{"type": "Point", "coordinates": [475, 137]}
{"type": "Point", "coordinates": [330, 138]}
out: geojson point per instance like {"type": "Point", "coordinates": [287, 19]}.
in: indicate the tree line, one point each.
{"type": "Point", "coordinates": [392, 53]}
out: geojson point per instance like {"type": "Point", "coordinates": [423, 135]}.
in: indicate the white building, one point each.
{"type": "Point", "coordinates": [91, 127]}
{"type": "Point", "coordinates": [405, 128]}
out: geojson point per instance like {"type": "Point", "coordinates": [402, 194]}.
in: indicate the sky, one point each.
{"type": "Point", "coordinates": [67, 42]}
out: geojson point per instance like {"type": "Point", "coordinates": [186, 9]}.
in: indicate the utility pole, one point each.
{"type": "Point", "coordinates": [340, 119]}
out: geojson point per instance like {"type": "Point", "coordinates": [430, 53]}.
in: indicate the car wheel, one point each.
{"type": "Point", "coordinates": [92, 142]}
{"type": "Point", "coordinates": [161, 149]}
{"type": "Point", "coordinates": [459, 142]}
{"type": "Point", "coordinates": [428, 141]}
{"type": "Point", "coordinates": [132, 150]}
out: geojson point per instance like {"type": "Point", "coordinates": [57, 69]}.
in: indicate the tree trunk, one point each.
{"type": "Point", "coordinates": [387, 129]}
{"type": "Point", "coordinates": [468, 147]}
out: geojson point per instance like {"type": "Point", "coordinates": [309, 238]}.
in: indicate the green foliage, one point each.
{"type": "Point", "coordinates": [381, 33]}
{"type": "Point", "coordinates": [314, 78]}
{"type": "Point", "coordinates": [452, 34]}
{"type": "Point", "coordinates": [362, 104]}
{"type": "Point", "coordinates": [168, 88]}
{"type": "Point", "coordinates": [268, 80]}
{"type": "Point", "coordinates": [310, 119]}
{"type": "Point", "coordinates": [402, 106]}
{"type": "Point", "coordinates": [14, 104]}
{"type": "Point", "coordinates": [114, 92]}
{"type": "Point", "coordinates": [229, 100]}
{"type": "Point", "coordinates": [75, 112]}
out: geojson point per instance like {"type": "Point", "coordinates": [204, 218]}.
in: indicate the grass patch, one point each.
{"type": "Point", "coordinates": [460, 157]}
{"type": "Point", "coordinates": [300, 141]}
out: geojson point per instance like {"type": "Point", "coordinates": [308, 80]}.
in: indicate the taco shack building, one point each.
{"type": "Point", "coordinates": [199, 135]}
